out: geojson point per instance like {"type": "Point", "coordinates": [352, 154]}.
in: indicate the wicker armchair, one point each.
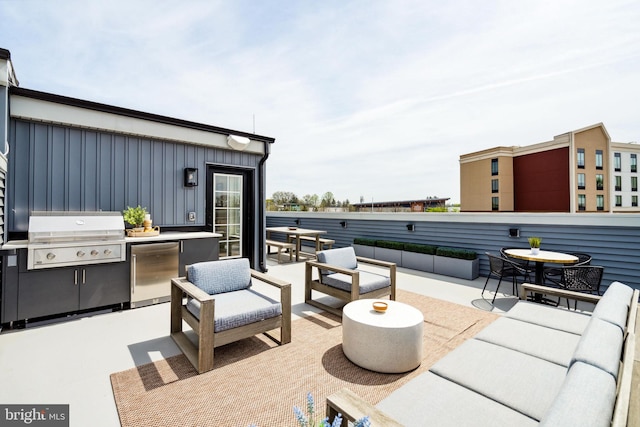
{"type": "Point", "coordinates": [502, 267]}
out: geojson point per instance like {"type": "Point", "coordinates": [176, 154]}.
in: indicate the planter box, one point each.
{"type": "Point", "coordinates": [417, 261]}
{"type": "Point", "coordinates": [364, 251]}
{"type": "Point", "coordinates": [390, 255]}
{"type": "Point", "coordinates": [455, 267]}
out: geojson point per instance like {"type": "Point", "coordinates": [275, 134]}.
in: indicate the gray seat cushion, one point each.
{"type": "Point", "coordinates": [600, 346]}
{"type": "Point", "coordinates": [239, 308]}
{"type": "Point", "coordinates": [519, 381]}
{"type": "Point", "coordinates": [444, 403]}
{"type": "Point", "coordinates": [368, 281]}
{"type": "Point", "coordinates": [551, 317]}
{"type": "Point", "coordinates": [614, 305]}
{"type": "Point", "coordinates": [586, 399]}
{"type": "Point", "coordinates": [341, 257]}
{"type": "Point", "coordinates": [545, 343]}
{"type": "Point", "coordinates": [215, 277]}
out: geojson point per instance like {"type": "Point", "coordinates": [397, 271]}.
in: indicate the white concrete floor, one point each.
{"type": "Point", "coordinates": [70, 362]}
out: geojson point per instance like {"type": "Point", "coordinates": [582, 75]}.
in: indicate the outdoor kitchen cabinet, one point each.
{"type": "Point", "coordinates": [197, 250]}
{"type": "Point", "coordinates": [61, 290]}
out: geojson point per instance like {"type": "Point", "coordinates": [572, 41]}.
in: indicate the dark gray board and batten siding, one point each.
{"type": "Point", "coordinates": [615, 247]}
{"type": "Point", "coordinates": [86, 170]}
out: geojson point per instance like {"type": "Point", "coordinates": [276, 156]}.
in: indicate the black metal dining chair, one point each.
{"type": "Point", "coordinates": [523, 263]}
{"type": "Point", "coordinates": [501, 268]}
{"type": "Point", "coordinates": [582, 278]}
{"type": "Point", "coordinates": [553, 275]}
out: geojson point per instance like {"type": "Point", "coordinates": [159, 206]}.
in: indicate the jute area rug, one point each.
{"type": "Point", "coordinates": [256, 382]}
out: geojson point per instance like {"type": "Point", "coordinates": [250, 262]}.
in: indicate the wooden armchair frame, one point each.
{"type": "Point", "coordinates": [311, 284]}
{"type": "Point", "coordinates": [201, 355]}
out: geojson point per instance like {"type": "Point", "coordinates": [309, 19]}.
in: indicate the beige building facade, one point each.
{"type": "Point", "coordinates": [578, 171]}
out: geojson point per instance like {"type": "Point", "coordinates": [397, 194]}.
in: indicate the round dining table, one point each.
{"type": "Point", "coordinates": [540, 258]}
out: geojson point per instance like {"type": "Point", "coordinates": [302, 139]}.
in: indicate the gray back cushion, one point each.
{"type": "Point", "coordinates": [342, 257]}
{"type": "Point", "coordinates": [614, 305]}
{"type": "Point", "coordinates": [215, 277]}
{"type": "Point", "coordinates": [600, 346]}
{"type": "Point", "coordinates": [586, 399]}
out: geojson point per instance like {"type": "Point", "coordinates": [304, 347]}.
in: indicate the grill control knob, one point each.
{"type": "Point", "coordinates": [51, 256]}
{"type": "Point", "coordinates": [80, 254]}
{"type": "Point", "coordinates": [94, 252]}
{"type": "Point", "coordinates": [107, 251]}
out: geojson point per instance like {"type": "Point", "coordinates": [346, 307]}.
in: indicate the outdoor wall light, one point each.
{"type": "Point", "coordinates": [297, 221]}
{"type": "Point", "coordinates": [190, 177]}
{"type": "Point", "coordinates": [514, 232]}
{"type": "Point", "coordinates": [343, 224]}
{"type": "Point", "coordinates": [411, 227]}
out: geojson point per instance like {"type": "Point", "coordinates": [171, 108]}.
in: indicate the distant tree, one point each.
{"type": "Point", "coordinates": [311, 200]}
{"type": "Point", "coordinates": [327, 200]}
{"type": "Point", "coordinates": [284, 197]}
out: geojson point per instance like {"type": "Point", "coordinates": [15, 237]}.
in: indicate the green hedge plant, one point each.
{"type": "Point", "coordinates": [364, 241]}
{"type": "Point", "coordinates": [456, 253]}
{"type": "Point", "coordinates": [389, 244]}
{"type": "Point", "coordinates": [420, 248]}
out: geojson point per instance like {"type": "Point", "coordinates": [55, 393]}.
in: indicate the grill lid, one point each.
{"type": "Point", "coordinates": [69, 226]}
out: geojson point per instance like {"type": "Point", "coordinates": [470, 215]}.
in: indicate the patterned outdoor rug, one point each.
{"type": "Point", "coordinates": [257, 382]}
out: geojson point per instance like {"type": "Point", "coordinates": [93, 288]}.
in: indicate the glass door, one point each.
{"type": "Point", "coordinates": [228, 213]}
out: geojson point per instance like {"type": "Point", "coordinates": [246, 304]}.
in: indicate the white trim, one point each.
{"type": "Point", "coordinates": [46, 111]}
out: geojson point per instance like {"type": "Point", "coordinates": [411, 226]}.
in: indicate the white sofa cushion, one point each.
{"type": "Point", "coordinates": [519, 381]}
{"type": "Point", "coordinates": [545, 343]}
{"type": "Point", "coordinates": [550, 317]}
{"type": "Point", "coordinates": [600, 346]}
{"type": "Point", "coordinates": [443, 403]}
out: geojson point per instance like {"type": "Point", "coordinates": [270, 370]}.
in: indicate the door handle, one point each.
{"type": "Point", "coordinates": [84, 276]}
{"type": "Point", "coordinates": [133, 273]}
{"type": "Point", "coordinates": [75, 276]}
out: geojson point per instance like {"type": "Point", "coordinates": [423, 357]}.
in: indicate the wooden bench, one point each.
{"type": "Point", "coordinates": [323, 241]}
{"type": "Point", "coordinates": [280, 246]}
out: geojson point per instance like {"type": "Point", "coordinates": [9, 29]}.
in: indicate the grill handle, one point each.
{"type": "Point", "coordinates": [133, 273]}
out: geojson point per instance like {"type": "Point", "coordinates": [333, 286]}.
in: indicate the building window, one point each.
{"type": "Point", "coordinates": [582, 202]}
{"type": "Point", "coordinates": [600, 202]}
{"type": "Point", "coordinates": [494, 166]}
{"type": "Point", "coordinates": [495, 203]}
{"type": "Point", "coordinates": [599, 182]}
{"type": "Point", "coordinates": [634, 200]}
{"type": "Point", "coordinates": [618, 183]}
{"type": "Point", "coordinates": [598, 159]}
{"type": "Point", "coordinates": [581, 183]}
{"type": "Point", "coordinates": [618, 200]}
{"type": "Point", "coordinates": [617, 162]}
{"type": "Point", "coordinates": [634, 183]}
{"type": "Point", "coordinates": [634, 163]}
{"type": "Point", "coordinates": [581, 158]}
{"type": "Point", "coordinates": [494, 185]}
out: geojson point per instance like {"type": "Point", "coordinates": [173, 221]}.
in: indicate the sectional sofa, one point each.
{"type": "Point", "coordinates": [536, 365]}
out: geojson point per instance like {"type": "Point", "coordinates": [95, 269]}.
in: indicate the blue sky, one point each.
{"type": "Point", "coordinates": [374, 99]}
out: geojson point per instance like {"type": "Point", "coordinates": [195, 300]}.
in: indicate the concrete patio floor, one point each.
{"type": "Point", "coordinates": [69, 362]}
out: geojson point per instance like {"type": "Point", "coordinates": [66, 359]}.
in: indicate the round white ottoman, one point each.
{"type": "Point", "coordinates": [389, 342]}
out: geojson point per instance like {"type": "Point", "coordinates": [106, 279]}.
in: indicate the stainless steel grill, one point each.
{"type": "Point", "coordinates": [61, 239]}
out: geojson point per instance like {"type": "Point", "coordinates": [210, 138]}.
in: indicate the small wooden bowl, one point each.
{"type": "Point", "coordinates": [293, 228]}
{"type": "Point", "coordinates": [380, 306]}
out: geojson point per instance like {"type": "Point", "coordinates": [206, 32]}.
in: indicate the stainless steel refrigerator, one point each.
{"type": "Point", "coordinates": [153, 266]}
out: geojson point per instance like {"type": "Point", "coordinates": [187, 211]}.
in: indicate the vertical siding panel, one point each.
{"type": "Point", "coordinates": [39, 167]}
{"type": "Point", "coordinates": [119, 171]}
{"type": "Point", "coordinates": [58, 180]}
{"type": "Point", "coordinates": [157, 194]}
{"type": "Point", "coordinates": [18, 198]}
{"type": "Point", "coordinates": [74, 171]}
{"type": "Point", "coordinates": [144, 173]}
{"type": "Point", "coordinates": [105, 171]}
{"type": "Point", "coordinates": [132, 177]}
{"type": "Point", "coordinates": [90, 167]}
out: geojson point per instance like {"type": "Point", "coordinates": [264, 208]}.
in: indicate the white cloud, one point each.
{"type": "Point", "coordinates": [365, 98]}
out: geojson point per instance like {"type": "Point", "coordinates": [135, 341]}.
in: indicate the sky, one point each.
{"type": "Point", "coordinates": [371, 99]}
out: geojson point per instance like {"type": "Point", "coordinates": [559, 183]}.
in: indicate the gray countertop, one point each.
{"type": "Point", "coordinates": [166, 236]}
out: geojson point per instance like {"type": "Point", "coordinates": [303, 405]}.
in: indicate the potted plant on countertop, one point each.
{"type": "Point", "coordinates": [135, 217]}
{"type": "Point", "coordinates": [534, 243]}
